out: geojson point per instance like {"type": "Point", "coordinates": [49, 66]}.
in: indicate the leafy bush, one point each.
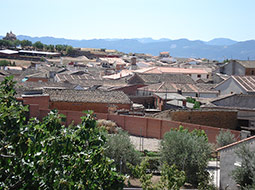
{"type": "Point", "coordinates": [121, 150]}
{"type": "Point", "coordinates": [224, 138]}
{"type": "Point", "coordinates": [189, 151]}
{"type": "Point", "coordinates": [4, 63]}
{"type": "Point", "coordinates": [245, 174]}
{"type": "Point", "coordinates": [171, 177]}
{"type": "Point", "coordinates": [48, 155]}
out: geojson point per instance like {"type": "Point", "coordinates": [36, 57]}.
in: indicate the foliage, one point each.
{"type": "Point", "coordinates": [25, 43]}
{"type": "Point", "coordinates": [48, 155]}
{"type": "Point", "coordinates": [60, 47]}
{"type": "Point", "coordinates": [244, 175]}
{"type": "Point", "coordinates": [69, 50]}
{"type": "Point", "coordinates": [189, 151]}
{"type": "Point", "coordinates": [140, 171]}
{"type": "Point", "coordinates": [121, 150]}
{"type": "Point", "coordinates": [193, 101]}
{"type": "Point", "coordinates": [205, 181]}
{"type": "Point", "coordinates": [4, 63]}
{"type": "Point", "coordinates": [171, 177]}
{"type": "Point", "coordinates": [224, 138]}
{"type": "Point", "coordinates": [38, 45]}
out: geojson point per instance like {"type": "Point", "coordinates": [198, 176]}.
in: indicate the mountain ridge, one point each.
{"type": "Point", "coordinates": [217, 49]}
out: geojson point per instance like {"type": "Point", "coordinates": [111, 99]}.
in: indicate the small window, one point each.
{"type": "Point", "coordinates": [252, 72]}
{"type": "Point", "coordinates": [198, 76]}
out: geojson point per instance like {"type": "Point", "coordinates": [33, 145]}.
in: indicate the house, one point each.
{"type": "Point", "coordinates": [184, 89]}
{"type": "Point", "coordinates": [7, 53]}
{"type": "Point", "coordinates": [80, 100]}
{"type": "Point", "coordinates": [229, 161]}
{"type": "Point", "coordinates": [164, 101]}
{"type": "Point", "coordinates": [245, 106]}
{"type": "Point", "coordinates": [237, 85]}
{"type": "Point", "coordinates": [164, 54]}
{"type": "Point", "coordinates": [238, 67]}
{"type": "Point", "coordinates": [195, 74]}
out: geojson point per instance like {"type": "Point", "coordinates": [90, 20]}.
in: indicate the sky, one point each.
{"type": "Point", "coordinates": [90, 19]}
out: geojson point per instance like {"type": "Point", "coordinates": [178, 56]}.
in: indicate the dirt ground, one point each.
{"type": "Point", "coordinates": [149, 144]}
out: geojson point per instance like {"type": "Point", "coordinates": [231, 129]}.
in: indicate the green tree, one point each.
{"type": "Point", "coordinates": [189, 151]}
{"type": "Point", "coordinates": [171, 177]}
{"type": "Point", "coordinates": [69, 50]}
{"type": "Point", "coordinates": [60, 48]}
{"type": "Point", "coordinates": [245, 174]}
{"type": "Point", "coordinates": [48, 155]}
{"type": "Point", "coordinates": [4, 63]}
{"type": "Point", "coordinates": [38, 45]}
{"type": "Point", "coordinates": [121, 150]}
{"type": "Point", "coordinates": [224, 138]}
{"type": "Point", "coordinates": [25, 43]}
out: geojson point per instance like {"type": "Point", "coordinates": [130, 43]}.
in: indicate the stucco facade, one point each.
{"type": "Point", "coordinates": [229, 161]}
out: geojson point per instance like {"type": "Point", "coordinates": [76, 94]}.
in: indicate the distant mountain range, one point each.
{"type": "Point", "coordinates": [218, 49]}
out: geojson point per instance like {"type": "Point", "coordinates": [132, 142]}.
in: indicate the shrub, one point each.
{"type": "Point", "coordinates": [189, 151]}
{"type": "Point", "coordinates": [4, 63]}
{"type": "Point", "coordinates": [224, 138]}
{"type": "Point", "coordinates": [121, 150]}
{"type": "Point", "coordinates": [245, 174]}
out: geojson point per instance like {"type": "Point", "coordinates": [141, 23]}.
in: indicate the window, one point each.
{"type": "Point", "coordinates": [252, 72]}
{"type": "Point", "coordinates": [198, 76]}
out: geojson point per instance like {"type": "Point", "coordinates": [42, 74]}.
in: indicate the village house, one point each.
{"type": "Point", "coordinates": [195, 74]}
{"type": "Point", "coordinates": [80, 100]}
{"type": "Point", "coordinates": [237, 84]}
{"type": "Point", "coordinates": [238, 67]}
{"type": "Point", "coordinates": [229, 161]}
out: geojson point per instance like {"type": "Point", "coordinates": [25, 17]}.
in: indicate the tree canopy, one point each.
{"type": "Point", "coordinates": [48, 155]}
{"type": "Point", "coordinates": [189, 151]}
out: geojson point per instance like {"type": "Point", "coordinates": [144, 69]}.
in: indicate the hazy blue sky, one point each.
{"type": "Point", "coordinates": [87, 19]}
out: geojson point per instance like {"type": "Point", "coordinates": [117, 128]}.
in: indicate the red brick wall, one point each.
{"type": "Point", "coordinates": [96, 107]}
{"type": "Point", "coordinates": [41, 101]}
{"type": "Point", "coordinates": [147, 127]}
{"type": "Point", "coordinates": [37, 80]}
{"type": "Point", "coordinates": [250, 71]}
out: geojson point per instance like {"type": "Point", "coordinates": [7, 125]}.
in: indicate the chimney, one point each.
{"type": "Point", "coordinates": [133, 61]}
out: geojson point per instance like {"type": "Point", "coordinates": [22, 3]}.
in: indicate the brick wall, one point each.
{"type": "Point", "coordinates": [147, 127]}
{"type": "Point", "coordinates": [75, 106]}
{"type": "Point", "coordinates": [220, 119]}
{"type": "Point", "coordinates": [37, 80]}
{"type": "Point", "coordinates": [41, 100]}
{"type": "Point", "coordinates": [250, 71]}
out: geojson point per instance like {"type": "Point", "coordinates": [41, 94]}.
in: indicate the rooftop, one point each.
{"type": "Point", "coordinates": [8, 51]}
{"type": "Point", "coordinates": [176, 70]}
{"type": "Point", "coordinates": [92, 96]}
{"type": "Point", "coordinates": [247, 82]}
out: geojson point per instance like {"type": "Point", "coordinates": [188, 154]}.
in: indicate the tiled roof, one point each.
{"type": "Point", "coordinates": [70, 78]}
{"type": "Point", "coordinates": [247, 64]}
{"type": "Point", "coordinates": [176, 70]}
{"type": "Point", "coordinates": [247, 82]}
{"type": "Point", "coordinates": [95, 96]}
{"type": "Point", "coordinates": [174, 87]}
{"type": "Point", "coordinates": [172, 78]}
